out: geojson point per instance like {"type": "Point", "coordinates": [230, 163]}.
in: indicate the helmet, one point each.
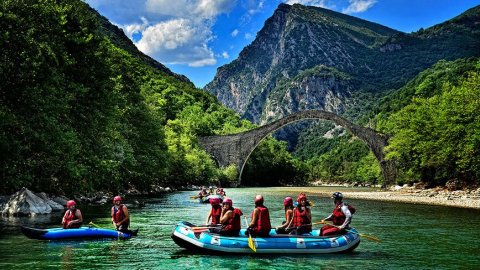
{"type": "Point", "coordinates": [288, 201]}
{"type": "Point", "coordinates": [71, 203]}
{"type": "Point", "coordinates": [337, 196]}
{"type": "Point", "coordinates": [227, 201]}
{"type": "Point", "coordinates": [259, 199]}
{"type": "Point", "coordinates": [215, 201]}
{"type": "Point", "coordinates": [117, 198]}
{"type": "Point", "coordinates": [301, 197]}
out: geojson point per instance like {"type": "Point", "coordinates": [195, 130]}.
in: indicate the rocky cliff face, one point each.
{"type": "Point", "coordinates": [313, 58]}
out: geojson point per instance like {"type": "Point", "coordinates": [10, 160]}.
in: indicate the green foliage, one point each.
{"type": "Point", "coordinates": [81, 109]}
{"type": "Point", "coordinates": [438, 138]}
{"type": "Point", "coordinates": [349, 161]}
{"type": "Point", "coordinates": [270, 164]}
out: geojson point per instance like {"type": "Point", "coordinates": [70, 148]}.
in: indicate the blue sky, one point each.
{"type": "Point", "coordinates": [195, 37]}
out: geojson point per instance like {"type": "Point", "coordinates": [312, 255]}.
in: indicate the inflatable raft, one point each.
{"type": "Point", "coordinates": [186, 237]}
{"type": "Point", "coordinates": [207, 198]}
{"type": "Point", "coordinates": [80, 233]}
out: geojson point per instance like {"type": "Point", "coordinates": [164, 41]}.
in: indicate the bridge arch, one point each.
{"type": "Point", "coordinates": [236, 148]}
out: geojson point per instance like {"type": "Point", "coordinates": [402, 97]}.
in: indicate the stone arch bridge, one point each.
{"type": "Point", "coordinates": [236, 148]}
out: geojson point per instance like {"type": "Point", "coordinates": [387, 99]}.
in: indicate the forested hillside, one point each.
{"type": "Point", "coordinates": [81, 109]}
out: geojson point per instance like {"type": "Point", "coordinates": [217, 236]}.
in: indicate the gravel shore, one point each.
{"type": "Point", "coordinates": [435, 196]}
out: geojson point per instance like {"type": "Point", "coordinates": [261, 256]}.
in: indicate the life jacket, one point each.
{"type": "Point", "coordinates": [233, 223]}
{"type": "Point", "coordinates": [262, 226]}
{"type": "Point", "coordinates": [338, 218]}
{"type": "Point", "coordinates": [69, 217]}
{"type": "Point", "coordinates": [300, 218]}
{"type": "Point", "coordinates": [119, 215]}
{"type": "Point", "coordinates": [216, 212]}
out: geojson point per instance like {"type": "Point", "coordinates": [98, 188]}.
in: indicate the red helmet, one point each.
{"type": "Point", "coordinates": [288, 201]}
{"type": "Point", "coordinates": [71, 203]}
{"type": "Point", "coordinates": [215, 201]}
{"type": "Point", "coordinates": [301, 197]}
{"type": "Point", "coordinates": [227, 201]}
{"type": "Point", "coordinates": [259, 199]}
{"type": "Point", "coordinates": [117, 198]}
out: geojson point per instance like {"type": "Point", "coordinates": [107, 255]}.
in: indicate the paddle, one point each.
{"type": "Point", "coordinates": [369, 237]}
{"type": "Point", "coordinates": [251, 245]}
{"type": "Point", "coordinates": [194, 197]}
{"type": "Point", "coordinates": [93, 224]}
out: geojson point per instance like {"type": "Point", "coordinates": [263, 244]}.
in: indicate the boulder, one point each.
{"type": "Point", "coordinates": [26, 203]}
{"type": "Point", "coordinates": [60, 200]}
{"type": "Point", "coordinates": [54, 205]}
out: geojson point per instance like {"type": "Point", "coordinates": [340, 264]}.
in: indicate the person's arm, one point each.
{"type": "Point", "coordinates": [289, 219]}
{"type": "Point", "coordinates": [64, 216]}
{"type": "Point", "coordinates": [209, 216]}
{"type": "Point", "coordinates": [254, 218]}
{"type": "Point", "coordinates": [79, 216]}
{"type": "Point", "coordinates": [225, 216]}
{"type": "Point", "coordinates": [327, 218]}
{"type": "Point", "coordinates": [113, 219]}
{"type": "Point", "coordinates": [348, 217]}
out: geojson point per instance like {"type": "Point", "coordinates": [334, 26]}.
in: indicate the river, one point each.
{"type": "Point", "coordinates": [413, 237]}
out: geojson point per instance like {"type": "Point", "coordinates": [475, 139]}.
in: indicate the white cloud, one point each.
{"type": "Point", "coordinates": [178, 41]}
{"type": "Point", "coordinates": [357, 6]}
{"type": "Point", "coordinates": [234, 33]}
{"type": "Point", "coordinates": [254, 6]}
{"type": "Point", "coordinates": [248, 36]}
{"type": "Point", "coordinates": [199, 9]}
{"type": "Point", "coordinates": [179, 31]}
{"type": "Point", "coordinates": [317, 3]}
{"type": "Point", "coordinates": [135, 28]}
{"type": "Point", "coordinates": [225, 55]}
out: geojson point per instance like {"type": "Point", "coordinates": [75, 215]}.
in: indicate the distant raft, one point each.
{"type": "Point", "coordinates": [206, 199]}
{"type": "Point", "coordinates": [186, 237]}
{"type": "Point", "coordinates": [67, 234]}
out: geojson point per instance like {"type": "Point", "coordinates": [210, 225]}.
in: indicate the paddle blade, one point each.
{"type": "Point", "coordinates": [251, 245]}
{"type": "Point", "coordinates": [372, 238]}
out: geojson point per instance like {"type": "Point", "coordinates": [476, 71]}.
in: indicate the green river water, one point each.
{"type": "Point", "coordinates": [413, 237]}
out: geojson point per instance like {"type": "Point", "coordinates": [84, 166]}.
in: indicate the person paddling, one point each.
{"type": "Point", "coordinates": [288, 206]}
{"type": "Point", "coordinates": [302, 217]}
{"type": "Point", "coordinates": [341, 217]}
{"type": "Point", "coordinates": [120, 216]}
{"type": "Point", "coordinates": [215, 212]}
{"type": "Point", "coordinates": [260, 223]}
{"type": "Point", "coordinates": [73, 217]}
{"type": "Point", "coordinates": [230, 219]}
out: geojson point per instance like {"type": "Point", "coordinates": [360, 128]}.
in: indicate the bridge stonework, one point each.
{"type": "Point", "coordinates": [236, 148]}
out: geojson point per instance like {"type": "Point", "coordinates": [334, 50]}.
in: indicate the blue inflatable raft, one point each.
{"type": "Point", "coordinates": [80, 233]}
{"type": "Point", "coordinates": [185, 237]}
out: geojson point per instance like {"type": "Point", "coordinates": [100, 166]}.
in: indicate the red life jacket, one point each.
{"type": "Point", "coordinates": [233, 223]}
{"type": "Point", "coordinates": [262, 226]}
{"type": "Point", "coordinates": [216, 212]}
{"type": "Point", "coordinates": [300, 218]}
{"type": "Point", "coordinates": [119, 215]}
{"type": "Point", "coordinates": [69, 216]}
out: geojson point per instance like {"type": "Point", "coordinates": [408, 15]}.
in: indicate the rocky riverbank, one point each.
{"type": "Point", "coordinates": [467, 198]}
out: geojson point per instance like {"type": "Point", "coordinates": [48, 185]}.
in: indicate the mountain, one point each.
{"type": "Point", "coordinates": [314, 58]}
